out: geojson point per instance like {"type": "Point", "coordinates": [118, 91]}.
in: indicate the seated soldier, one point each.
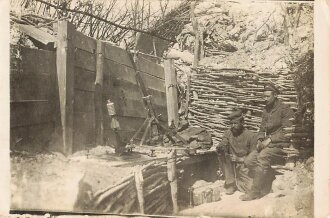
{"type": "Point", "coordinates": [234, 149]}
{"type": "Point", "coordinates": [276, 115]}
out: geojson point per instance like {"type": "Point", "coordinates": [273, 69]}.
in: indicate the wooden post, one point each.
{"type": "Point", "coordinates": [65, 56]}
{"type": "Point", "coordinates": [99, 92]}
{"type": "Point", "coordinates": [171, 93]}
{"type": "Point", "coordinates": [171, 173]}
{"type": "Point", "coordinates": [139, 189]}
{"type": "Point", "coordinates": [196, 53]}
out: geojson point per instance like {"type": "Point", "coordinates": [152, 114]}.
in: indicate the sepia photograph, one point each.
{"type": "Point", "coordinates": [162, 108]}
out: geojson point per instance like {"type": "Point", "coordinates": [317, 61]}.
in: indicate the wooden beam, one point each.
{"type": "Point", "coordinates": [196, 53]}
{"type": "Point", "coordinates": [99, 92]}
{"type": "Point", "coordinates": [37, 34]}
{"type": "Point", "coordinates": [171, 173]}
{"type": "Point", "coordinates": [65, 56]}
{"type": "Point", "coordinates": [171, 93]}
{"type": "Point", "coordinates": [139, 189]}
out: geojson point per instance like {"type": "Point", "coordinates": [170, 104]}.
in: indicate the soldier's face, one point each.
{"type": "Point", "coordinates": [237, 124]}
{"type": "Point", "coordinates": [269, 97]}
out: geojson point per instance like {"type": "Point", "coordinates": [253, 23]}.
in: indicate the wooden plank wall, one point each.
{"type": "Point", "coordinates": [32, 98]}
{"type": "Point", "coordinates": [44, 96]}
{"type": "Point", "coordinates": [119, 85]}
{"type": "Point", "coordinates": [84, 91]}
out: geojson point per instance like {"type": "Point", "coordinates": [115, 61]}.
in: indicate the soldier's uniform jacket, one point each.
{"type": "Point", "coordinates": [274, 119]}
{"type": "Point", "coordinates": [240, 145]}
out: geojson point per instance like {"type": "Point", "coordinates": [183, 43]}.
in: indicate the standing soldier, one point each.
{"type": "Point", "coordinates": [276, 116]}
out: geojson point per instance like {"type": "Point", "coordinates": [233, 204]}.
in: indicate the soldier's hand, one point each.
{"type": "Point", "coordinates": [260, 146]}
{"type": "Point", "coordinates": [236, 159]}
{"type": "Point", "coordinates": [220, 149]}
{"type": "Point", "coordinates": [233, 158]}
{"type": "Point", "coordinates": [266, 142]}
{"type": "Point", "coordinates": [240, 159]}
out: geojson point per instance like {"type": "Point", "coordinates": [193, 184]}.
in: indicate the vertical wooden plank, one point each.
{"type": "Point", "coordinates": [139, 189]}
{"type": "Point", "coordinates": [171, 93]}
{"type": "Point", "coordinates": [98, 92]}
{"type": "Point", "coordinates": [65, 56]}
{"type": "Point", "coordinates": [171, 174]}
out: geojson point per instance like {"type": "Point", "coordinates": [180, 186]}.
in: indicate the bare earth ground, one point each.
{"type": "Point", "coordinates": [50, 182]}
{"type": "Point", "coordinates": [292, 196]}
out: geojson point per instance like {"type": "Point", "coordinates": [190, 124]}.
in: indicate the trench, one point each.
{"type": "Point", "coordinates": [189, 170]}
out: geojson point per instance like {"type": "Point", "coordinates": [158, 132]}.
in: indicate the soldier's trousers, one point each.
{"type": "Point", "coordinates": [243, 181]}
{"type": "Point", "coordinates": [264, 159]}
{"type": "Point", "coordinates": [254, 162]}
{"type": "Point", "coordinates": [227, 168]}
{"type": "Point", "coordinates": [259, 165]}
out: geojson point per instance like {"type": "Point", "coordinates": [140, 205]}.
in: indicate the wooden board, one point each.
{"type": "Point", "coordinates": [30, 113]}
{"type": "Point", "coordinates": [148, 44]}
{"type": "Point", "coordinates": [84, 79]}
{"type": "Point", "coordinates": [120, 72]}
{"type": "Point", "coordinates": [85, 60]}
{"type": "Point", "coordinates": [150, 67]}
{"type": "Point", "coordinates": [38, 61]}
{"type": "Point", "coordinates": [30, 86]}
{"type": "Point", "coordinates": [84, 130]}
{"type": "Point", "coordinates": [84, 42]}
{"type": "Point", "coordinates": [83, 101]}
{"type": "Point", "coordinates": [129, 107]}
{"type": "Point", "coordinates": [38, 34]}
{"type": "Point", "coordinates": [29, 137]}
{"type": "Point", "coordinates": [129, 90]}
{"type": "Point", "coordinates": [117, 54]}
{"type": "Point", "coordinates": [120, 56]}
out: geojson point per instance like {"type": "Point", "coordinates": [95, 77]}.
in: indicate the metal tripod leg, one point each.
{"type": "Point", "coordinates": [146, 131]}
{"type": "Point", "coordinates": [139, 130]}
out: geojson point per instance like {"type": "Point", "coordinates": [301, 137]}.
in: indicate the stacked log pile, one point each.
{"type": "Point", "coordinates": [216, 92]}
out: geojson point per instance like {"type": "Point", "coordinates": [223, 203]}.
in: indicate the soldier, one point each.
{"type": "Point", "coordinates": [237, 143]}
{"type": "Point", "coordinates": [276, 116]}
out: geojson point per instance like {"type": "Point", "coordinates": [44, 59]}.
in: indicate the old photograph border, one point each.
{"type": "Point", "coordinates": [322, 109]}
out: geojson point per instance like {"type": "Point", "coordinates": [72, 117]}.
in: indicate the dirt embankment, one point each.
{"type": "Point", "coordinates": [264, 37]}
{"type": "Point", "coordinates": [51, 181]}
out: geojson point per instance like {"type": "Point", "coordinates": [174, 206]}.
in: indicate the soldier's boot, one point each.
{"type": "Point", "coordinates": [231, 189]}
{"type": "Point", "coordinates": [267, 187]}
{"type": "Point", "coordinates": [257, 185]}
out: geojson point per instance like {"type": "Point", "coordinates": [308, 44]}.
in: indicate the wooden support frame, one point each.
{"type": "Point", "coordinates": [171, 93]}
{"type": "Point", "coordinates": [65, 57]}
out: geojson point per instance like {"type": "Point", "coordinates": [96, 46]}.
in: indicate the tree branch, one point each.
{"type": "Point", "coordinates": [107, 21]}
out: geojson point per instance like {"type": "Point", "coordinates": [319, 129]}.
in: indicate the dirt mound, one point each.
{"type": "Point", "coordinates": [256, 36]}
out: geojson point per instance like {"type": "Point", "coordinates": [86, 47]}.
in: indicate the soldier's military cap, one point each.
{"type": "Point", "coordinates": [271, 87]}
{"type": "Point", "coordinates": [235, 115]}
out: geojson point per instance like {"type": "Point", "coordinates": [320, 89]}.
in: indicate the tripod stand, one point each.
{"type": "Point", "coordinates": [152, 117]}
